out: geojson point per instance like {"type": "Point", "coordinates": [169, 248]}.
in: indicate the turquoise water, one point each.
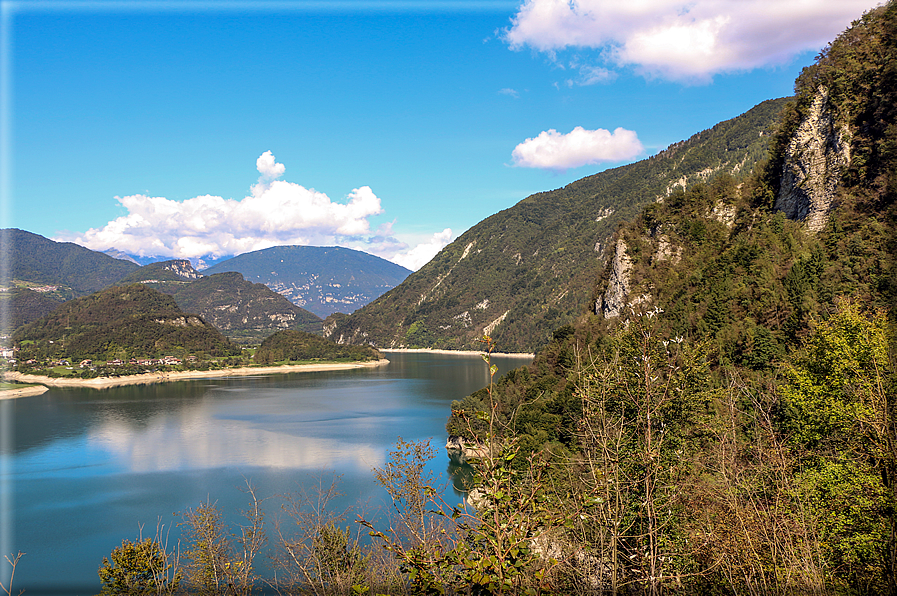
{"type": "Point", "coordinates": [84, 469]}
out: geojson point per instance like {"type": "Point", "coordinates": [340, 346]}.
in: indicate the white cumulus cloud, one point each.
{"type": "Point", "coordinates": [421, 254]}
{"type": "Point", "coordinates": [552, 150]}
{"type": "Point", "coordinates": [688, 41]}
{"type": "Point", "coordinates": [276, 212]}
{"type": "Point", "coordinates": [268, 167]}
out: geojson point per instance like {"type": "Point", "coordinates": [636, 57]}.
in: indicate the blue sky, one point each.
{"type": "Point", "coordinates": [186, 129]}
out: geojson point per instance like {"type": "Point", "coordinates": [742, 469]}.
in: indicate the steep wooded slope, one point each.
{"type": "Point", "coordinates": [736, 367]}
{"type": "Point", "coordinates": [523, 272]}
{"type": "Point", "coordinates": [35, 260]}
{"type": "Point", "coordinates": [243, 310]}
{"type": "Point", "coordinates": [755, 263]}
{"type": "Point", "coordinates": [121, 322]}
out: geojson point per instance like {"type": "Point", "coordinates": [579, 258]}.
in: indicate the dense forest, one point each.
{"type": "Point", "coordinates": [120, 322]}
{"type": "Point", "coordinates": [24, 305]}
{"type": "Point", "coordinates": [292, 346]}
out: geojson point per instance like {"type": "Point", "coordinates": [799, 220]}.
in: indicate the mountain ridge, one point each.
{"type": "Point", "coordinates": [243, 311]}
{"type": "Point", "coordinates": [78, 270]}
{"type": "Point", "coordinates": [521, 273]}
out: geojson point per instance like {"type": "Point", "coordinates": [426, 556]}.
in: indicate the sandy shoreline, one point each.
{"type": "Point", "coordinates": [458, 352]}
{"type": "Point", "coordinates": [162, 377]}
{"type": "Point", "coordinates": [23, 392]}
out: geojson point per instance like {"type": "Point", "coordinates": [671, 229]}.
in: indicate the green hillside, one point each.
{"type": "Point", "coordinates": [243, 310]}
{"type": "Point", "coordinates": [292, 346]}
{"type": "Point", "coordinates": [320, 279]}
{"type": "Point", "coordinates": [26, 305]}
{"type": "Point", "coordinates": [726, 406]}
{"type": "Point", "coordinates": [525, 271]}
{"type": "Point", "coordinates": [120, 322]}
{"type": "Point", "coordinates": [77, 271]}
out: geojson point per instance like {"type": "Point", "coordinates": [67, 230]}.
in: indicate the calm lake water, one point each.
{"type": "Point", "coordinates": [84, 469]}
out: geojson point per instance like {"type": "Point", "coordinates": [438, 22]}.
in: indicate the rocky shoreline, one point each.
{"type": "Point", "coordinates": [466, 449]}
{"type": "Point", "coordinates": [163, 377]}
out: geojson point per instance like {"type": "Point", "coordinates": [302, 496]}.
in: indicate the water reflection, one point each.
{"type": "Point", "coordinates": [461, 473]}
{"type": "Point", "coordinates": [196, 439]}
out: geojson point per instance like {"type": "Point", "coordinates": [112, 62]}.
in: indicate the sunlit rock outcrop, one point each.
{"type": "Point", "coordinates": [814, 162]}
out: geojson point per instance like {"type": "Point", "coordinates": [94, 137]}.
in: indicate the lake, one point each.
{"type": "Point", "coordinates": [83, 469]}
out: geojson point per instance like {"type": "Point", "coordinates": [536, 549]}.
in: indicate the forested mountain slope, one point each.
{"type": "Point", "coordinates": [121, 322]}
{"type": "Point", "coordinates": [522, 272]}
{"type": "Point", "coordinates": [24, 305]}
{"type": "Point", "coordinates": [38, 261]}
{"type": "Point", "coordinates": [728, 404]}
{"type": "Point", "coordinates": [242, 310]}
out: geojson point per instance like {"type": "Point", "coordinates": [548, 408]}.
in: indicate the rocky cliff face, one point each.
{"type": "Point", "coordinates": [614, 299]}
{"type": "Point", "coordinates": [183, 321]}
{"type": "Point", "coordinates": [182, 268]}
{"type": "Point", "coordinates": [814, 161]}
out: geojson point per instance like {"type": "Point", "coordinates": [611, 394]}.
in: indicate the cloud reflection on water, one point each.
{"type": "Point", "coordinates": [196, 439]}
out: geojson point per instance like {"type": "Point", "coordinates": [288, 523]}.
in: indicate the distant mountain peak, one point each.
{"type": "Point", "coordinates": [321, 279]}
{"type": "Point", "coordinates": [119, 254]}
{"type": "Point", "coordinates": [175, 270]}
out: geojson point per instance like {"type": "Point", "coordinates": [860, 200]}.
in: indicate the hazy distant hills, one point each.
{"type": "Point", "coordinates": [118, 254]}
{"type": "Point", "coordinates": [313, 281]}
{"type": "Point", "coordinates": [521, 273]}
{"type": "Point", "coordinates": [59, 271]}
{"type": "Point", "coordinates": [323, 280]}
{"type": "Point", "coordinates": [197, 262]}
